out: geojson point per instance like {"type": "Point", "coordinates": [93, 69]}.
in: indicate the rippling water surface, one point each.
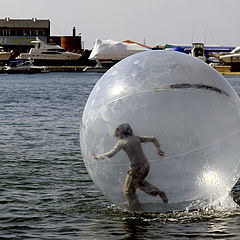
{"type": "Point", "coordinates": [45, 190]}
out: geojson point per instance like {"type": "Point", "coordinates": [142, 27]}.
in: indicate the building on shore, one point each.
{"type": "Point", "coordinates": [69, 43]}
{"type": "Point", "coordinates": [17, 34]}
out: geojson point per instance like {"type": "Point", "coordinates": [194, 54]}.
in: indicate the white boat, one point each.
{"type": "Point", "coordinates": [198, 51]}
{"type": "Point", "coordinates": [231, 58]}
{"type": "Point", "coordinates": [96, 69]}
{"type": "Point", "coordinates": [49, 54]}
{"type": "Point", "coordinates": [109, 52]}
{"type": "Point", "coordinates": [4, 56]}
{"type": "Point", "coordinates": [21, 66]}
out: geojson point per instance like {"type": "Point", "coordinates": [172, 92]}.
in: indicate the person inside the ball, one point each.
{"type": "Point", "coordinates": [139, 165]}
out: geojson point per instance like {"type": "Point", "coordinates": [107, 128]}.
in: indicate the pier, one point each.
{"type": "Point", "coordinates": [227, 70]}
{"type": "Point", "coordinates": [65, 68]}
{"type": "Point", "coordinates": [55, 68]}
{"type": "Point", "coordinates": [224, 70]}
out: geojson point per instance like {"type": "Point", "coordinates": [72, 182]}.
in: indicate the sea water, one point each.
{"type": "Point", "coordinates": [46, 192]}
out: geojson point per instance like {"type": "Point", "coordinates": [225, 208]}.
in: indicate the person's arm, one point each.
{"type": "Point", "coordinates": [109, 154]}
{"type": "Point", "coordinates": [155, 143]}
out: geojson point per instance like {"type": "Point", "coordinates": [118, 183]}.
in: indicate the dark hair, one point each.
{"type": "Point", "coordinates": [123, 130]}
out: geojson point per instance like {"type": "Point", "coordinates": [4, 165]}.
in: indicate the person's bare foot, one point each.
{"type": "Point", "coordinates": [163, 196]}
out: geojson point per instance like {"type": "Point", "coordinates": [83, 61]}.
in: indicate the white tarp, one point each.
{"type": "Point", "coordinates": [109, 49]}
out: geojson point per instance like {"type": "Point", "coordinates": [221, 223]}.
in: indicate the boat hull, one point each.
{"type": "Point", "coordinates": [25, 71]}
{"type": "Point", "coordinates": [228, 59]}
{"type": "Point", "coordinates": [52, 62]}
{"type": "Point", "coordinates": [95, 69]}
{"type": "Point", "coordinates": [48, 62]}
{"type": "Point", "coordinates": [5, 56]}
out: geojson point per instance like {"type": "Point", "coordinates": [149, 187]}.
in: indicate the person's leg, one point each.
{"type": "Point", "coordinates": [149, 188]}
{"type": "Point", "coordinates": [129, 191]}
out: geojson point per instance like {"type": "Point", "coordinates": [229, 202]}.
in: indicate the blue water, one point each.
{"type": "Point", "coordinates": [46, 192]}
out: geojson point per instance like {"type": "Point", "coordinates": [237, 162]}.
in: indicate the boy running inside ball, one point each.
{"type": "Point", "coordinates": [139, 165]}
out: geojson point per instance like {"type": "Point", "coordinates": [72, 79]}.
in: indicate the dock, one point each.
{"type": "Point", "coordinates": [224, 70]}
{"type": "Point", "coordinates": [65, 68]}
{"type": "Point", "coordinates": [227, 70]}
{"type": "Point", "coordinates": [56, 68]}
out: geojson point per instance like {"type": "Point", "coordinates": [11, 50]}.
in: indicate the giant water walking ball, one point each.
{"type": "Point", "coordinates": [188, 106]}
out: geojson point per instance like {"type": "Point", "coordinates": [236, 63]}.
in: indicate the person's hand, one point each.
{"type": "Point", "coordinates": [94, 155]}
{"type": "Point", "coordinates": [161, 153]}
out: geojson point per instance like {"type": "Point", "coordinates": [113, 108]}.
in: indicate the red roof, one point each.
{"type": "Point", "coordinates": [129, 41]}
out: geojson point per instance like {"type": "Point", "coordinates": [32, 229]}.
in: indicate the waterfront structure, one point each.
{"type": "Point", "coordinates": [17, 34]}
{"type": "Point", "coordinates": [69, 43]}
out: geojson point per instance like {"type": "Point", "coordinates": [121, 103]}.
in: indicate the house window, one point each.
{"type": "Point", "coordinates": [6, 32]}
{"type": "Point", "coordinates": [13, 32]}
{"type": "Point", "coordinates": [34, 33]}
{"type": "Point", "coordinates": [40, 33]}
{"type": "Point", "coordinates": [26, 32]}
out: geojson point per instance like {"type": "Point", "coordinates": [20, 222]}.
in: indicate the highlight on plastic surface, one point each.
{"type": "Point", "coordinates": [188, 106]}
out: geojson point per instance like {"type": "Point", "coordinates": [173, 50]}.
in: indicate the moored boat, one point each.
{"type": "Point", "coordinates": [231, 58]}
{"type": "Point", "coordinates": [49, 54]}
{"type": "Point", "coordinates": [21, 66]}
{"type": "Point", "coordinates": [95, 69]}
{"type": "Point", "coordinates": [4, 56]}
{"type": "Point", "coordinates": [198, 51]}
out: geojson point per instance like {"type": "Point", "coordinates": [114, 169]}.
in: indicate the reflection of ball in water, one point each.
{"type": "Point", "coordinates": [190, 108]}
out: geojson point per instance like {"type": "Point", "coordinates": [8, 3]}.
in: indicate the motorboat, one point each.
{"type": "Point", "coordinates": [4, 56]}
{"type": "Point", "coordinates": [49, 54]}
{"type": "Point", "coordinates": [198, 51]}
{"type": "Point", "coordinates": [96, 69]}
{"type": "Point", "coordinates": [231, 58]}
{"type": "Point", "coordinates": [21, 66]}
